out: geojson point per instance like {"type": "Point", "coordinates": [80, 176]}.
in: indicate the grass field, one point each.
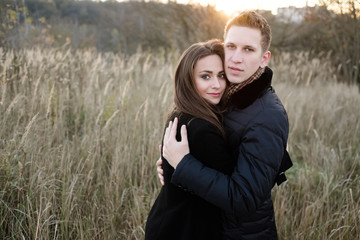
{"type": "Point", "coordinates": [79, 136]}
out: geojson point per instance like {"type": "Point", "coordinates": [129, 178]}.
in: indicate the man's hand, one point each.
{"type": "Point", "coordinates": [160, 171]}
{"type": "Point", "coordinates": [174, 151]}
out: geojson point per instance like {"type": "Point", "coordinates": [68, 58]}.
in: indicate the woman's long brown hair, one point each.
{"type": "Point", "coordinates": [187, 99]}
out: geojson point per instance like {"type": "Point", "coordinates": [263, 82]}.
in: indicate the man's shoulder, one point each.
{"type": "Point", "coordinates": [260, 105]}
{"type": "Point", "coordinates": [272, 104]}
{"type": "Point", "coordinates": [266, 109]}
{"type": "Point", "coordinates": [273, 115]}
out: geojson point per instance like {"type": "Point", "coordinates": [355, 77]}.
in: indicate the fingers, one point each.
{"type": "Point", "coordinates": [161, 178]}
{"type": "Point", "coordinates": [183, 133]}
{"type": "Point", "coordinates": [167, 131]}
{"type": "Point", "coordinates": [173, 151]}
{"type": "Point", "coordinates": [159, 162]}
{"type": "Point", "coordinates": [173, 129]}
{"type": "Point", "coordinates": [170, 131]}
{"type": "Point", "coordinates": [160, 171]}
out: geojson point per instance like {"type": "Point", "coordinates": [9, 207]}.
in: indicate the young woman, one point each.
{"type": "Point", "coordinates": [200, 83]}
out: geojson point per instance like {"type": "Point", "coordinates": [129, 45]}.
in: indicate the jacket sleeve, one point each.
{"type": "Point", "coordinates": [250, 183]}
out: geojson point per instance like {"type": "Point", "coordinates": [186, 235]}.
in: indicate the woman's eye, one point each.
{"type": "Point", "coordinates": [222, 76]}
{"type": "Point", "coordinates": [206, 77]}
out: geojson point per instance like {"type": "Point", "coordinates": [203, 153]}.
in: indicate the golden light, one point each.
{"type": "Point", "coordinates": [226, 8]}
{"type": "Point", "coordinates": [230, 7]}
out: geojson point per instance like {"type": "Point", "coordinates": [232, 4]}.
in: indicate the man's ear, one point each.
{"type": "Point", "coordinates": [265, 59]}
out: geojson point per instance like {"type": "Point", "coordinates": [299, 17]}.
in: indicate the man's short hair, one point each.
{"type": "Point", "coordinates": [252, 19]}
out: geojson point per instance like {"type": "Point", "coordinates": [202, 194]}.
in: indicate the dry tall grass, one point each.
{"type": "Point", "coordinates": [79, 135]}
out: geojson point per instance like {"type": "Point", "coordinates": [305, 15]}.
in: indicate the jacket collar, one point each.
{"type": "Point", "coordinates": [247, 95]}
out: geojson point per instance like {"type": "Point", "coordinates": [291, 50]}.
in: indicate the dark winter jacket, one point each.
{"type": "Point", "coordinates": [177, 214]}
{"type": "Point", "coordinates": [257, 128]}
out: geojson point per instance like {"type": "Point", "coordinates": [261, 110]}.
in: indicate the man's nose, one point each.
{"type": "Point", "coordinates": [237, 56]}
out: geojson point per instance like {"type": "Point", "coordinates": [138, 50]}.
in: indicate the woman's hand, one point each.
{"type": "Point", "coordinates": [174, 151]}
{"type": "Point", "coordinates": [160, 171]}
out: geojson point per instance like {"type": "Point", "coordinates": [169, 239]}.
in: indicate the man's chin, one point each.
{"type": "Point", "coordinates": [235, 80]}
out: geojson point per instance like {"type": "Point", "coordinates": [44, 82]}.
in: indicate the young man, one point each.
{"type": "Point", "coordinates": [257, 130]}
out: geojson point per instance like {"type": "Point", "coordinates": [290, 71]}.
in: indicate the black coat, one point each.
{"type": "Point", "coordinates": [179, 214]}
{"type": "Point", "coordinates": [257, 128]}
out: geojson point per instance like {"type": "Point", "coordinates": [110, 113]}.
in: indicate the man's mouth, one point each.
{"type": "Point", "coordinates": [235, 69]}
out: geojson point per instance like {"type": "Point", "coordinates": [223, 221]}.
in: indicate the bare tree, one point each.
{"type": "Point", "coordinates": [343, 31]}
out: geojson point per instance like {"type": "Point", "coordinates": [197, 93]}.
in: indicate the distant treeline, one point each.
{"type": "Point", "coordinates": [129, 26]}
{"type": "Point", "coordinates": [118, 26]}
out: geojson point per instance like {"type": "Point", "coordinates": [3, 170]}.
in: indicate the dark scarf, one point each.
{"type": "Point", "coordinates": [235, 87]}
{"type": "Point", "coordinates": [244, 94]}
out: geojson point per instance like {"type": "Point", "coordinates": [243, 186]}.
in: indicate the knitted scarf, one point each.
{"type": "Point", "coordinates": [235, 87]}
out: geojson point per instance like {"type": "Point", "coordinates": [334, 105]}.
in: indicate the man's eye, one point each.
{"type": "Point", "coordinates": [230, 46]}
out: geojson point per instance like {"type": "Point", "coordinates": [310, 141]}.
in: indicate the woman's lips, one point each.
{"type": "Point", "coordinates": [216, 95]}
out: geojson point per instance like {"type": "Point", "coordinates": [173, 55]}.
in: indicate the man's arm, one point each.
{"type": "Point", "coordinates": [249, 185]}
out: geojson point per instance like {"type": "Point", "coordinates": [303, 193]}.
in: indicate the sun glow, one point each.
{"type": "Point", "coordinates": [230, 7]}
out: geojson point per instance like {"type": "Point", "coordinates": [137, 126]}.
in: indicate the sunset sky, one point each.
{"type": "Point", "coordinates": [230, 6]}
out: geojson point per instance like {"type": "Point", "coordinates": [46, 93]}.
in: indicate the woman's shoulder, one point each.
{"type": "Point", "coordinates": [195, 123]}
{"type": "Point", "coordinates": [199, 129]}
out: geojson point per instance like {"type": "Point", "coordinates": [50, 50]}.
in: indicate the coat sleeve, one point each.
{"type": "Point", "coordinates": [244, 191]}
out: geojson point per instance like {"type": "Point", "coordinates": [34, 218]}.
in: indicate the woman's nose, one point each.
{"type": "Point", "coordinates": [216, 83]}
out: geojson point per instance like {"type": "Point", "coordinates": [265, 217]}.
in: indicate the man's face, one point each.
{"type": "Point", "coordinates": [243, 53]}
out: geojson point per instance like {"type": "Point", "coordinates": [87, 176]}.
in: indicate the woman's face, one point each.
{"type": "Point", "coordinates": [210, 80]}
